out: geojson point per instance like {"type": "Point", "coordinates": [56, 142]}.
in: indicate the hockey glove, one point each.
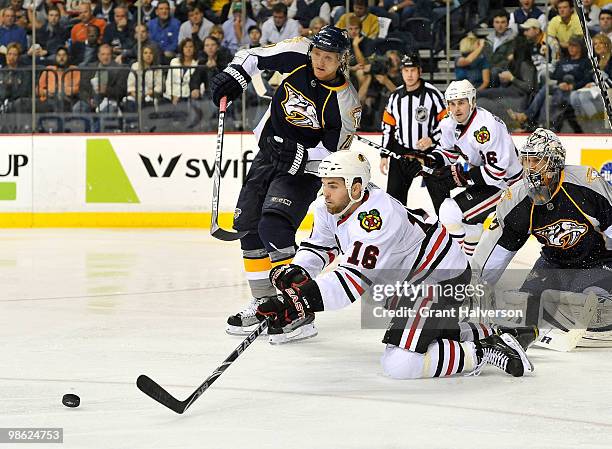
{"type": "Point", "coordinates": [230, 83]}
{"type": "Point", "coordinates": [409, 168]}
{"type": "Point", "coordinates": [451, 176]}
{"type": "Point", "coordinates": [293, 304]}
{"type": "Point", "coordinates": [287, 155]}
{"type": "Point", "coordinates": [288, 276]}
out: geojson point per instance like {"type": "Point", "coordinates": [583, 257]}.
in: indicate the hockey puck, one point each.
{"type": "Point", "coordinates": [71, 400]}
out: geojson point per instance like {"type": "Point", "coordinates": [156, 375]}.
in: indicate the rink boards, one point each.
{"type": "Point", "coordinates": [161, 180]}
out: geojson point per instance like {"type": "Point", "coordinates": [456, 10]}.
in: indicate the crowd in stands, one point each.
{"type": "Point", "coordinates": [158, 56]}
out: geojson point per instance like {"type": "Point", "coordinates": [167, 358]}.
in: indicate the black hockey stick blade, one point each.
{"type": "Point", "coordinates": [227, 236]}
{"type": "Point", "coordinates": [155, 391]}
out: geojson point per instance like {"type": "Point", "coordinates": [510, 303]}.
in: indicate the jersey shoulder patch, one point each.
{"type": "Point", "coordinates": [370, 220]}
{"type": "Point", "coordinates": [482, 135]}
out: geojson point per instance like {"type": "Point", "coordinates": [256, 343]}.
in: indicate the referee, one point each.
{"type": "Point", "coordinates": [409, 124]}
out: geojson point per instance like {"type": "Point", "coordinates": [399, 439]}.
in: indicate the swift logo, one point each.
{"type": "Point", "coordinates": [151, 170]}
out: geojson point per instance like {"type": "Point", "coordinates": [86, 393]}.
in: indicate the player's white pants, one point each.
{"type": "Point", "coordinates": [443, 358]}
{"type": "Point", "coordinates": [467, 235]}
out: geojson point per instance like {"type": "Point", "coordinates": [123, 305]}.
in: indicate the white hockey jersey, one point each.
{"type": "Point", "coordinates": [484, 142]}
{"type": "Point", "coordinates": [380, 239]}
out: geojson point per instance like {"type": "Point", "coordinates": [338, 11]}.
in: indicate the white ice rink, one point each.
{"type": "Point", "coordinates": [87, 311]}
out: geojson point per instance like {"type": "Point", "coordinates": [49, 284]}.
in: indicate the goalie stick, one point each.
{"type": "Point", "coordinates": [390, 153]}
{"type": "Point", "coordinates": [598, 77]}
{"type": "Point", "coordinates": [152, 389]}
{"type": "Point", "coordinates": [215, 230]}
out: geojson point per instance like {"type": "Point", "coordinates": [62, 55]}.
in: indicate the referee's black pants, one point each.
{"type": "Point", "coordinates": [398, 186]}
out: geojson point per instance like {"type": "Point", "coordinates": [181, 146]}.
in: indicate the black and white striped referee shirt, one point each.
{"type": "Point", "coordinates": [410, 116]}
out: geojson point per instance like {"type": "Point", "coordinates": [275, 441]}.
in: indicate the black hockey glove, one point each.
{"type": "Point", "coordinates": [293, 305]}
{"type": "Point", "coordinates": [409, 168]}
{"type": "Point", "coordinates": [287, 155]}
{"type": "Point", "coordinates": [288, 276]}
{"type": "Point", "coordinates": [451, 176]}
{"type": "Point", "coordinates": [230, 83]}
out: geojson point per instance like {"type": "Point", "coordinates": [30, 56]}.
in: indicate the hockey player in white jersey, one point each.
{"type": "Point", "coordinates": [376, 235]}
{"type": "Point", "coordinates": [482, 140]}
{"type": "Point", "coordinates": [568, 209]}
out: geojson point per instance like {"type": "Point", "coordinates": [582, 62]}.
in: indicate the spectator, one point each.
{"type": "Point", "coordinates": [104, 10]}
{"type": "Point", "coordinates": [79, 31]}
{"type": "Point", "coordinates": [279, 27]}
{"type": "Point", "coordinates": [165, 30]}
{"type": "Point", "coordinates": [143, 81]}
{"type": "Point", "coordinates": [566, 24]}
{"type": "Point", "coordinates": [120, 33]}
{"type": "Point", "coordinates": [58, 85]}
{"type": "Point", "coordinates": [179, 75]}
{"type": "Point", "coordinates": [572, 72]}
{"type": "Point", "coordinates": [102, 86]}
{"type": "Point", "coordinates": [369, 22]}
{"type": "Point", "coordinates": [503, 46]}
{"type": "Point", "coordinates": [553, 11]}
{"type": "Point", "coordinates": [591, 14]}
{"type": "Point", "coordinates": [314, 27]}
{"type": "Point", "coordinates": [605, 23]}
{"type": "Point", "coordinates": [485, 7]}
{"type": "Point", "coordinates": [361, 48]}
{"type": "Point", "coordinates": [543, 47]}
{"type": "Point", "coordinates": [86, 53]}
{"type": "Point", "coordinates": [217, 32]}
{"type": "Point", "coordinates": [235, 31]}
{"type": "Point", "coordinates": [525, 12]}
{"type": "Point", "coordinates": [21, 14]}
{"type": "Point", "coordinates": [39, 16]}
{"type": "Point", "coordinates": [472, 65]}
{"type": "Point", "coordinates": [15, 85]}
{"type": "Point", "coordinates": [225, 12]}
{"type": "Point", "coordinates": [254, 37]}
{"type": "Point", "coordinates": [516, 85]}
{"type": "Point", "coordinates": [309, 9]}
{"type": "Point", "coordinates": [196, 27]}
{"type": "Point", "coordinates": [181, 12]}
{"type": "Point", "coordinates": [141, 34]}
{"type": "Point", "coordinates": [53, 34]}
{"type": "Point", "coordinates": [147, 12]}
{"type": "Point", "coordinates": [11, 33]}
{"type": "Point", "coordinates": [587, 101]}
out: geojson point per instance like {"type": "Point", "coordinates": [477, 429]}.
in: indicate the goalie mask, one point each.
{"type": "Point", "coordinates": [543, 159]}
{"type": "Point", "coordinates": [351, 166]}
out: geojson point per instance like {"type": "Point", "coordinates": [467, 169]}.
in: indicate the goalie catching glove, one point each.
{"type": "Point", "coordinates": [286, 155]}
{"type": "Point", "coordinates": [230, 83]}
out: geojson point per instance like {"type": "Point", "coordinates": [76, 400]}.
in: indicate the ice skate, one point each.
{"type": "Point", "coordinates": [245, 321]}
{"type": "Point", "coordinates": [525, 335]}
{"type": "Point", "coordinates": [295, 331]}
{"type": "Point", "coordinates": [503, 352]}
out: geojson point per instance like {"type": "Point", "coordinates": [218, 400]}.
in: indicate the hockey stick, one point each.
{"type": "Point", "coordinates": [596, 71]}
{"type": "Point", "coordinates": [390, 153]}
{"type": "Point", "coordinates": [215, 230]}
{"type": "Point", "coordinates": [152, 389]}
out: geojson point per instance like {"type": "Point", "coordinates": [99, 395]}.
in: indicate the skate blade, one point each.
{"type": "Point", "coordinates": [301, 333]}
{"type": "Point", "coordinates": [241, 331]}
{"type": "Point", "coordinates": [514, 344]}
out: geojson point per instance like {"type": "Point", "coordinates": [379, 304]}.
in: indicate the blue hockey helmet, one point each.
{"type": "Point", "coordinates": [332, 39]}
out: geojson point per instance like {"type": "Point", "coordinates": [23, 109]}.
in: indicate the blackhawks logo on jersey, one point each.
{"type": "Point", "coordinates": [482, 135]}
{"type": "Point", "coordinates": [370, 221]}
{"type": "Point", "coordinates": [562, 234]}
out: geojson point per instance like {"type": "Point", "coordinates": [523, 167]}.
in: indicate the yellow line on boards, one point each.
{"type": "Point", "coordinates": [120, 219]}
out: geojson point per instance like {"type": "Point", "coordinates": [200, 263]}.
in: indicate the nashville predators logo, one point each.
{"type": "Point", "coordinates": [482, 135]}
{"type": "Point", "coordinates": [299, 110]}
{"type": "Point", "coordinates": [370, 221]}
{"type": "Point", "coordinates": [562, 234]}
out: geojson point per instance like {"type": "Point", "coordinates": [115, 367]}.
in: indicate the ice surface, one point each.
{"type": "Point", "coordinates": [87, 311]}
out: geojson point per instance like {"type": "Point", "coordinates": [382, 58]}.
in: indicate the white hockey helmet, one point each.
{"type": "Point", "coordinates": [543, 159]}
{"type": "Point", "coordinates": [457, 90]}
{"type": "Point", "coordinates": [349, 165]}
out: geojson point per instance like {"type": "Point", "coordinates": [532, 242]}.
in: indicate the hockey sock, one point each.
{"type": "Point", "coordinates": [472, 236]}
{"type": "Point", "coordinates": [257, 267]}
{"type": "Point", "coordinates": [443, 358]}
{"type": "Point", "coordinates": [278, 236]}
{"type": "Point", "coordinates": [474, 331]}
